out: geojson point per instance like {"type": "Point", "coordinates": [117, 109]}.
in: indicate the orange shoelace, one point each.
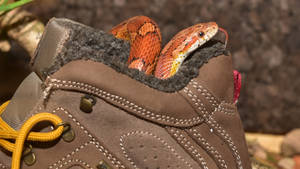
{"type": "Point", "coordinates": [24, 134]}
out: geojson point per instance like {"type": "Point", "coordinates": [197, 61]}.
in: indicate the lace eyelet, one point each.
{"type": "Point", "coordinates": [86, 103]}
{"type": "Point", "coordinates": [28, 156]}
{"type": "Point", "coordinates": [103, 165]}
{"type": "Point", "coordinates": [68, 134]}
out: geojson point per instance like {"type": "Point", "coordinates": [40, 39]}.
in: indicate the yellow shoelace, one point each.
{"type": "Point", "coordinates": [24, 134]}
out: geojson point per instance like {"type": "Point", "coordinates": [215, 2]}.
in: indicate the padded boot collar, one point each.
{"type": "Point", "coordinates": [65, 41]}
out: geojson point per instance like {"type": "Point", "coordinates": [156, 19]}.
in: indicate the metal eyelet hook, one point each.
{"type": "Point", "coordinates": [103, 165]}
{"type": "Point", "coordinates": [86, 103]}
{"type": "Point", "coordinates": [68, 134]}
{"type": "Point", "coordinates": [28, 156]}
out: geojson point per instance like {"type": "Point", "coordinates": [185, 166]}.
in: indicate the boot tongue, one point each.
{"type": "Point", "coordinates": [23, 101]}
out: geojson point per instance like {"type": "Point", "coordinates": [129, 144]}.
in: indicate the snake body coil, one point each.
{"type": "Point", "coordinates": [145, 40]}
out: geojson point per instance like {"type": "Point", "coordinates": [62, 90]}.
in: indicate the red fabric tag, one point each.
{"type": "Point", "coordinates": [237, 85]}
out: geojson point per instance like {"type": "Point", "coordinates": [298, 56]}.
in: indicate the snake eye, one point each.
{"type": "Point", "coordinates": [201, 34]}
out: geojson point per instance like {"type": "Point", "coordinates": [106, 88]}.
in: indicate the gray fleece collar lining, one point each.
{"type": "Point", "coordinates": [85, 43]}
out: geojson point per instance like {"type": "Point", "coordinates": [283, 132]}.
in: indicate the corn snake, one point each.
{"type": "Point", "coordinates": [147, 55]}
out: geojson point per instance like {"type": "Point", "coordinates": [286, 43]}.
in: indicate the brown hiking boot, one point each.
{"type": "Point", "coordinates": [108, 116]}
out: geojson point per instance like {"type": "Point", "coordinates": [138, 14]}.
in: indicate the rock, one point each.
{"type": "Point", "coordinates": [260, 153]}
{"type": "Point", "coordinates": [119, 2]}
{"type": "Point", "coordinates": [242, 61]}
{"type": "Point", "coordinates": [286, 163]}
{"type": "Point", "coordinates": [261, 93]}
{"type": "Point", "coordinates": [284, 5]}
{"type": "Point", "coordinates": [256, 150]}
{"type": "Point", "coordinates": [270, 143]}
{"type": "Point", "coordinates": [291, 144]}
{"type": "Point", "coordinates": [273, 57]}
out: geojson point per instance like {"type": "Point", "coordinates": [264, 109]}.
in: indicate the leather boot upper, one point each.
{"type": "Point", "coordinates": [188, 121]}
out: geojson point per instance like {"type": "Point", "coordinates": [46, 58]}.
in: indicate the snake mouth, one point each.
{"type": "Point", "coordinates": [210, 34]}
{"type": "Point", "coordinates": [212, 42]}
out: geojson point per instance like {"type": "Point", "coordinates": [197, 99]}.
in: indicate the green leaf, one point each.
{"type": "Point", "coordinates": [6, 7]}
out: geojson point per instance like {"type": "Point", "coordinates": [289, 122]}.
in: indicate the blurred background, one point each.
{"type": "Point", "coordinates": [263, 40]}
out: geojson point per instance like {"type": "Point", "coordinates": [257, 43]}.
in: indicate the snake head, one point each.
{"type": "Point", "coordinates": [181, 45]}
{"type": "Point", "coordinates": [195, 36]}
